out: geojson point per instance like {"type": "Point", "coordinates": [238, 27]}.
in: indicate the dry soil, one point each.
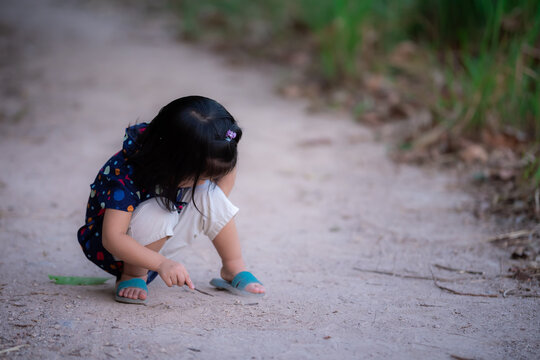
{"type": "Point", "coordinates": [321, 206]}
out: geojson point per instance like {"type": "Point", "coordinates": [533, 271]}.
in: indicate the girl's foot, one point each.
{"type": "Point", "coordinates": [129, 292]}
{"type": "Point", "coordinates": [254, 288]}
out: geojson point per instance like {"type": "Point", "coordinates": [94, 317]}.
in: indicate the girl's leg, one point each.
{"type": "Point", "coordinates": [217, 224]}
{"type": "Point", "coordinates": [151, 226]}
{"type": "Point", "coordinates": [228, 247]}
{"type": "Point", "coordinates": [227, 242]}
{"type": "Point", "coordinates": [133, 271]}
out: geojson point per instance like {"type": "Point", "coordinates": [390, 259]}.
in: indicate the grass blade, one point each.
{"type": "Point", "coordinates": [77, 280]}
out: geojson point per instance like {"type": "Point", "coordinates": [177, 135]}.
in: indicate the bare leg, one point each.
{"type": "Point", "coordinates": [132, 271]}
{"type": "Point", "coordinates": [228, 247]}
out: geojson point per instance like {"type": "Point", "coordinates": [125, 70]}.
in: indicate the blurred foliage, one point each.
{"type": "Point", "coordinates": [487, 50]}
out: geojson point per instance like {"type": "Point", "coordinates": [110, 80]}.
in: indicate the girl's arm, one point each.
{"type": "Point", "coordinates": [123, 246]}
{"type": "Point", "coordinates": [117, 242]}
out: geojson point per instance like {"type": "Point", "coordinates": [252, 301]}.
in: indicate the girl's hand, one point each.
{"type": "Point", "coordinates": [174, 273]}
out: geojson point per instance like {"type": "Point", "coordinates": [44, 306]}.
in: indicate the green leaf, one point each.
{"type": "Point", "coordinates": [78, 280]}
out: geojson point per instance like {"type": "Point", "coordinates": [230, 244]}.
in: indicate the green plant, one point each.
{"type": "Point", "coordinates": [488, 48]}
{"type": "Point", "coordinates": [531, 173]}
{"type": "Point", "coordinates": [337, 28]}
{"type": "Point", "coordinates": [487, 42]}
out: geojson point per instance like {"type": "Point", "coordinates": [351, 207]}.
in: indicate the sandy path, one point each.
{"type": "Point", "coordinates": [318, 199]}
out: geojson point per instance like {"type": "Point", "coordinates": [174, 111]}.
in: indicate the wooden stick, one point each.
{"type": "Point", "coordinates": [509, 236]}
{"type": "Point", "coordinates": [509, 292]}
{"type": "Point", "coordinates": [436, 280]}
{"type": "Point", "coordinates": [458, 270]}
{"type": "Point", "coordinates": [203, 292]}
{"type": "Point", "coordinates": [404, 276]}
{"type": "Point", "coordinates": [462, 293]}
{"type": "Point", "coordinates": [458, 292]}
{"type": "Point", "coordinates": [15, 348]}
{"type": "Point", "coordinates": [457, 357]}
{"type": "Point", "coordinates": [393, 274]}
{"type": "Point", "coordinates": [527, 295]}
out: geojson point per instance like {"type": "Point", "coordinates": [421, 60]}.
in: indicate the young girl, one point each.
{"type": "Point", "coordinates": [169, 184]}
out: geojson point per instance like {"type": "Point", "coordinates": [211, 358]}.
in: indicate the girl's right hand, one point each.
{"type": "Point", "coordinates": [174, 273]}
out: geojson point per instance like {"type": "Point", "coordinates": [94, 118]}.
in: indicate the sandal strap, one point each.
{"type": "Point", "coordinates": [132, 283]}
{"type": "Point", "coordinates": [242, 279]}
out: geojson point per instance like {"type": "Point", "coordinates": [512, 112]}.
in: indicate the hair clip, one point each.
{"type": "Point", "coordinates": [230, 135]}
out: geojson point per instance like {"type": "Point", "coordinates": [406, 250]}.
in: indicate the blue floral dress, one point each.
{"type": "Point", "coordinates": [113, 188]}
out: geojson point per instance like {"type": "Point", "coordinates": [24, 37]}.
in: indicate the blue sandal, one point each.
{"type": "Point", "coordinates": [238, 285]}
{"type": "Point", "coordinates": [131, 283]}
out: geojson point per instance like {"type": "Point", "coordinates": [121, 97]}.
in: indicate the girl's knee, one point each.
{"type": "Point", "coordinates": [152, 222]}
{"type": "Point", "coordinates": [216, 210]}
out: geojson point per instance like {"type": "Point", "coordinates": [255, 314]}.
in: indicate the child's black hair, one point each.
{"type": "Point", "coordinates": [186, 141]}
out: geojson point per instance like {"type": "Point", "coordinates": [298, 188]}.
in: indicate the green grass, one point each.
{"type": "Point", "coordinates": [499, 83]}
{"type": "Point", "coordinates": [337, 28]}
{"type": "Point", "coordinates": [487, 49]}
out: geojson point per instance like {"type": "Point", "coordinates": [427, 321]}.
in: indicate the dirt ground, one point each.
{"type": "Point", "coordinates": [322, 207]}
